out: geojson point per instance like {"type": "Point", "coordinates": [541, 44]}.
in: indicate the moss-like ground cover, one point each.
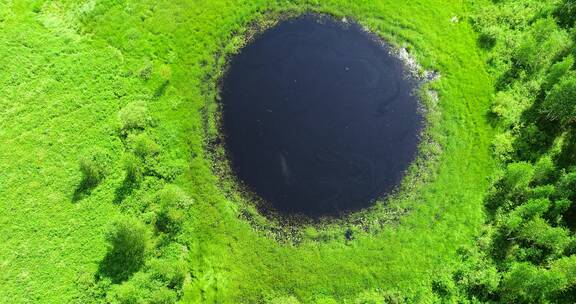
{"type": "Point", "coordinates": [68, 68]}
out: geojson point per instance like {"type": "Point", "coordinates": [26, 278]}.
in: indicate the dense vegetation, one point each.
{"type": "Point", "coordinates": [111, 189]}
{"type": "Point", "coordinates": [527, 253]}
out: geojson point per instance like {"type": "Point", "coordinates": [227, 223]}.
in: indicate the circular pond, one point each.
{"type": "Point", "coordinates": [318, 117]}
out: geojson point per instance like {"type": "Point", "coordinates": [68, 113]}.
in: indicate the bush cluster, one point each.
{"type": "Point", "coordinates": [94, 166]}
{"type": "Point", "coordinates": [129, 242]}
{"type": "Point", "coordinates": [527, 253]}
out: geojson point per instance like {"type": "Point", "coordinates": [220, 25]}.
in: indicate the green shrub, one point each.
{"type": "Point", "coordinates": [566, 187]}
{"type": "Point", "coordinates": [94, 167]}
{"type": "Point", "coordinates": [558, 209]}
{"type": "Point", "coordinates": [476, 275]}
{"type": "Point", "coordinates": [525, 212]}
{"type": "Point", "coordinates": [525, 283]}
{"type": "Point", "coordinates": [540, 233]}
{"type": "Point", "coordinates": [557, 72]}
{"type": "Point", "coordinates": [134, 170]}
{"type": "Point", "coordinates": [566, 266]}
{"type": "Point", "coordinates": [488, 37]}
{"type": "Point", "coordinates": [171, 273]}
{"type": "Point", "coordinates": [502, 146]}
{"type": "Point", "coordinates": [541, 45]}
{"type": "Point", "coordinates": [532, 142]}
{"type": "Point", "coordinates": [518, 176]}
{"type": "Point", "coordinates": [566, 13]}
{"type": "Point", "coordinates": [128, 243]}
{"type": "Point", "coordinates": [134, 116]}
{"type": "Point", "coordinates": [507, 108]}
{"type": "Point", "coordinates": [541, 192]}
{"type": "Point", "coordinates": [146, 72]}
{"type": "Point", "coordinates": [560, 104]}
{"type": "Point", "coordinates": [140, 290]}
{"type": "Point", "coordinates": [143, 145]}
{"type": "Point", "coordinates": [566, 158]}
{"type": "Point", "coordinates": [163, 296]}
{"type": "Point", "coordinates": [126, 293]}
{"type": "Point", "coordinates": [512, 184]}
{"type": "Point", "coordinates": [174, 204]}
{"type": "Point", "coordinates": [544, 170]}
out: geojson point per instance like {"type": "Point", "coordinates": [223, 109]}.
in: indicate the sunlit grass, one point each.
{"type": "Point", "coordinates": [69, 67]}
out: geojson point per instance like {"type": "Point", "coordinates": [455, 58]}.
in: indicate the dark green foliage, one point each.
{"type": "Point", "coordinates": [567, 186]}
{"type": "Point", "coordinates": [525, 283]}
{"type": "Point", "coordinates": [544, 171]}
{"type": "Point", "coordinates": [94, 167]}
{"type": "Point", "coordinates": [557, 71]}
{"type": "Point", "coordinates": [487, 38]}
{"type": "Point", "coordinates": [540, 45]}
{"type": "Point", "coordinates": [517, 177]}
{"type": "Point", "coordinates": [529, 255]}
{"type": "Point", "coordinates": [560, 104]}
{"type": "Point", "coordinates": [532, 142]}
{"type": "Point", "coordinates": [128, 243]}
{"type": "Point", "coordinates": [163, 296]}
{"type": "Point", "coordinates": [146, 72]}
{"type": "Point", "coordinates": [127, 294]}
{"type": "Point", "coordinates": [134, 170]}
{"type": "Point", "coordinates": [512, 185]}
{"type": "Point", "coordinates": [566, 158]}
{"type": "Point", "coordinates": [566, 13]}
{"type": "Point", "coordinates": [174, 207]}
{"type": "Point", "coordinates": [537, 232]}
{"type": "Point", "coordinates": [476, 275]}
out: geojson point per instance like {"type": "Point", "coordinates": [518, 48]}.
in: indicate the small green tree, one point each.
{"type": "Point", "coordinates": [143, 146]}
{"type": "Point", "coordinates": [566, 13]}
{"type": "Point", "coordinates": [134, 116]}
{"type": "Point", "coordinates": [128, 242]}
{"type": "Point", "coordinates": [126, 293]}
{"type": "Point", "coordinates": [538, 47]}
{"type": "Point", "coordinates": [134, 170]}
{"type": "Point", "coordinates": [557, 71]}
{"type": "Point", "coordinates": [369, 297]}
{"type": "Point", "coordinates": [174, 204]}
{"type": "Point", "coordinates": [560, 104]}
{"type": "Point", "coordinates": [566, 187]}
{"type": "Point", "coordinates": [544, 170]}
{"type": "Point", "coordinates": [94, 167]}
{"type": "Point", "coordinates": [526, 283]}
{"type": "Point", "coordinates": [171, 272]}
{"type": "Point", "coordinates": [539, 233]}
{"type": "Point", "coordinates": [502, 146]}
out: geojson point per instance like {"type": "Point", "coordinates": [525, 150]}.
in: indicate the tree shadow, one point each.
{"type": "Point", "coordinates": [538, 134]}
{"type": "Point", "coordinates": [118, 266]}
{"type": "Point", "coordinates": [128, 243]}
{"type": "Point", "coordinates": [84, 189]}
{"type": "Point", "coordinates": [124, 190]}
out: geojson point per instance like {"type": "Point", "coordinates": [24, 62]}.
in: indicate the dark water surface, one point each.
{"type": "Point", "coordinates": [319, 119]}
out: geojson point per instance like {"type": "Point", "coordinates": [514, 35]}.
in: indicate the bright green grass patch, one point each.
{"type": "Point", "coordinates": [68, 68]}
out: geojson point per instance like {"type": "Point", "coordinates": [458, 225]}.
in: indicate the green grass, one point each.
{"type": "Point", "coordinates": [68, 67]}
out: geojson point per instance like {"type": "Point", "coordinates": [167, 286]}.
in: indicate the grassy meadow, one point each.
{"type": "Point", "coordinates": [107, 116]}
